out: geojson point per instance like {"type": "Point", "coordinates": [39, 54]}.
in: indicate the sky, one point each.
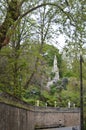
{"type": "Point", "coordinates": [58, 42]}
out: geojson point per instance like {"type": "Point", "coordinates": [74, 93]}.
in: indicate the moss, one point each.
{"type": "Point", "coordinates": [15, 104]}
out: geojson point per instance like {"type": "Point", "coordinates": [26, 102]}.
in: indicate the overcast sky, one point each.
{"type": "Point", "coordinates": [60, 42]}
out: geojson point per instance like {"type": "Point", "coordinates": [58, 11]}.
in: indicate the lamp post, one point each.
{"type": "Point", "coordinates": [81, 95]}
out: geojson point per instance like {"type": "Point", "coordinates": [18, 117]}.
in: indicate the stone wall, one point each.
{"type": "Point", "coordinates": [53, 117]}
{"type": "Point", "coordinates": [12, 118]}
{"type": "Point", "coordinates": [15, 118]}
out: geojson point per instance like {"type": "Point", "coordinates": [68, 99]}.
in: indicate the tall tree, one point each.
{"type": "Point", "coordinates": [13, 14]}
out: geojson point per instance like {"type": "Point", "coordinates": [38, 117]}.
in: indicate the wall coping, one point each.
{"type": "Point", "coordinates": [45, 109]}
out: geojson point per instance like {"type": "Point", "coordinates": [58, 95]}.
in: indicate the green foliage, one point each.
{"type": "Point", "coordinates": [69, 74]}
{"type": "Point", "coordinates": [52, 75]}
{"type": "Point", "coordinates": [48, 98]}
{"type": "Point", "coordinates": [53, 89]}
{"type": "Point", "coordinates": [64, 83]}
{"type": "Point", "coordinates": [27, 61]}
{"type": "Point", "coordinates": [49, 52]}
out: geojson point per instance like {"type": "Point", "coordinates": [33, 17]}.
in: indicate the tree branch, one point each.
{"type": "Point", "coordinates": [13, 17]}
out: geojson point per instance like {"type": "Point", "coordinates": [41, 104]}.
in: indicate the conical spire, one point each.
{"type": "Point", "coordinates": [55, 68]}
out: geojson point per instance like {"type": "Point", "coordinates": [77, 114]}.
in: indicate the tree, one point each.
{"type": "Point", "coordinates": [27, 26]}
{"type": "Point", "coordinates": [13, 14]}
{"type": "Point", "coordinates": [76, 35]}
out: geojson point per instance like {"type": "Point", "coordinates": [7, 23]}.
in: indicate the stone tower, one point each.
{"type": "Point", "coordinates": [54, 70]}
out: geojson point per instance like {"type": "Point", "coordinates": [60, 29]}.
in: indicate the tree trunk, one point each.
{"type": "Point", "coordinates": [13, 12]}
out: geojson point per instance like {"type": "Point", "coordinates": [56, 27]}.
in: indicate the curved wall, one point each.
{"type": "Point", "coordinates": [15, 118]}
